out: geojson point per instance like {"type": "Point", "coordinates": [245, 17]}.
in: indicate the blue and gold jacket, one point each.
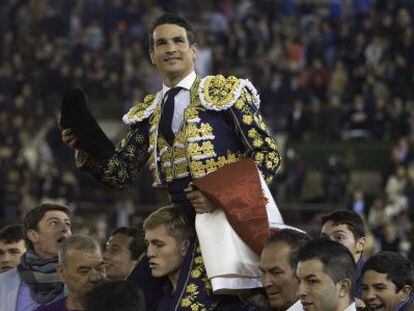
{"type": "Point", "coordinates": [221, 125]}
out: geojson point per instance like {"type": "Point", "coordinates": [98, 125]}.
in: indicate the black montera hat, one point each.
{"type": "Point", "coordinates": [76, 116]}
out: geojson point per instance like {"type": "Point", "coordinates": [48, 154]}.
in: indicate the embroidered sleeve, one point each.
{"type": "Point", "coordinates": [249, 121]}
{"type": "Point", "coordinates": [126, 162]}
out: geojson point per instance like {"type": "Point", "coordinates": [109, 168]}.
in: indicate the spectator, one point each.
{"type": "Point", "coordinates": [94, 37]}
{"type": "Point", "coordinates": [409, 191]}
{"type": "Point", "coordinates": [35, 281]}
{"type": "Point", "coordinates": [294, 175]}
{"type": "Point", "coordinates": [394, 189]}
{"type": "Point", "coordinates": [334, 118]}
{"type": "Point", "coordinates": [335, 180]}
{"type": "Point", "coordinates": [358, 203]}
{"type": "Point", "coordinates": [318, 79]}
{"type": "Point", "coordinates": [376, 214]}
{"type": "Point", "coordinates": [380, 120]}
{"type": "Point", "coordinates": [347, 228]}
{"type": "Point", "coordinates": [357, 120]}
{"type": "Point", "coordinates": [124, 248]}
{"type": "Point", "coordinates": [297, 122]}
{"type": "Point", "coordinates": [12, 247]}
{"type": "Point", "coordinates": [339, 79]}
{"type": "Point", "coordinates": [388, 236]}
{"type": "Point", "coordinates": [398, 119]}
{"type": "Point", "coordinates": [278, 265]}
{"type": "Point", "coordinates": [374, 53]}
{"type": "Point", "coordinates": [80, 268]}
{"type": "Point", "coordinates": [388, 282]}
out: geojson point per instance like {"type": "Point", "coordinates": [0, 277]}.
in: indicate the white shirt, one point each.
{"type": "Point", "coordinates": [351, 307]}
{"type": "Point", "coordinates": [297, 306]}
{"type": "Point", "coordinates": [182, 99]}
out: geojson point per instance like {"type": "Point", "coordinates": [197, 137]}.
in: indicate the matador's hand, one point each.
{"type": "Point", "coordinates": [69, 139]}
{"type": "Point", "coordinates": [200, 202]}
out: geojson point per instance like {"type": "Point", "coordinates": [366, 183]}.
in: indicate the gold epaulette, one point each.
{"type": "Point", "coordinates": [220, 93]}
{"type": "Point", "coordinates": [143, 110]}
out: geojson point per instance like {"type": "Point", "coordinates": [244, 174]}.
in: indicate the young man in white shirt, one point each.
{"type": "Point", "coordinates": [326, 271]}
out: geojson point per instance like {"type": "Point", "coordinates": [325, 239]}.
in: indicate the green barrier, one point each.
{"type": "Point", "coordinates": [356, 155]}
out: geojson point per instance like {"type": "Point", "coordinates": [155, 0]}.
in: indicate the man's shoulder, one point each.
{"type": "Point", "coordinates": [11, 275]}
{"type": "Point", "coordinates": [9, 287]}
{"type": "Point", "coordinates": [220, 93]}
{"type": "Point", "coordinates": [58, 305]}
{"type": "Point", "coordinates": [142, 110]}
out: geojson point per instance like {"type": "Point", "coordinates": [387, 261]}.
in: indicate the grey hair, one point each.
{"type": "Point", "coordinates": [79, 242]}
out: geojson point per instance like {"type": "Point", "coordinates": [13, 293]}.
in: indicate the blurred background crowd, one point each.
{"type": "Point", "coordinates": [335, 79]}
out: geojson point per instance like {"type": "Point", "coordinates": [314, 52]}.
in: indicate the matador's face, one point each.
{"type": "Point", "coordinates": [172, 53]}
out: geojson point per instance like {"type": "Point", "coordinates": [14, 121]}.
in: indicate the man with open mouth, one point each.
{"type": "Point", "coordinates": [35, 280]}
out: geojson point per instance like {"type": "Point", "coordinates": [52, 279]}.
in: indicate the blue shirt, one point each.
{"type": "Point", "coordinates": [58, 305]}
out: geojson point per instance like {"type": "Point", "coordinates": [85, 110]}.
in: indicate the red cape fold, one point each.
{"type": "Point", "coordinates": [236, 189]}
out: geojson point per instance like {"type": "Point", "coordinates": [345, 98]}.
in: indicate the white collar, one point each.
{"type": "Point", "coordinates": [351, 307]}
{"type": "Point", "coordinates": [185, 83]}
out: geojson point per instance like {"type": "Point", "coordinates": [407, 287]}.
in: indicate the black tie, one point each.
{"type": "Point", "coordinates": [167, 115]}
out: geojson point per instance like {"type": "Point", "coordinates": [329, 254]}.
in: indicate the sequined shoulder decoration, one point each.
{"type": "Point", "coordinates": [220, 93]}
{"type": "Point", "coordinates": [143, 110]}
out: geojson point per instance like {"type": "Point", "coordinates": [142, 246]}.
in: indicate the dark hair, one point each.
{"type": "Point", "coordinates": [294, 238]}
{"type": "Point", "coordinates": [169, 18]}
{"type": "Point", "coordinates": [34, 216]}
{"type": "Point", "coordinates": [397, 268]}
{"type": "Point", "coordinates": [137, 244]}
{"type": "Point", "coordinates": [12, 234]}
{"type": "Point", "coordinates": [176, 220]}
{"type": "Point", "coordinates": [353, 221]}
{"type": "Point", "coordinates": [114, 295]}
{"type": "Point", "coordinates": [337, 260]}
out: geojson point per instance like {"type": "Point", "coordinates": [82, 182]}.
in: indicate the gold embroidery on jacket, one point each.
{"type": "Point", "coordinates": [201, 168]}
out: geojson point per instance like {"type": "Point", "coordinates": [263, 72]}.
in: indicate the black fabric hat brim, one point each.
{"type": "Point", "coordinates": [76, 116]}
